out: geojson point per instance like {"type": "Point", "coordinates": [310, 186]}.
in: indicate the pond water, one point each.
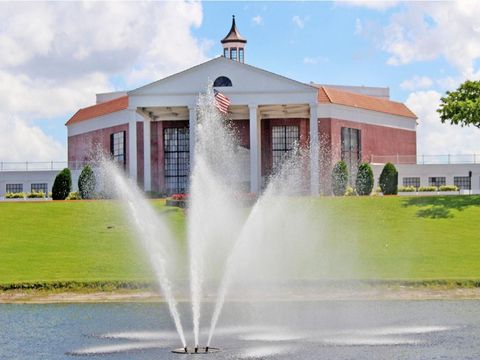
{"type": "Point", "coordinates": [280, 330]}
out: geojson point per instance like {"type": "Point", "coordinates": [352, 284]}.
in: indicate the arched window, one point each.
{"type": "Point", "coordinates": [222, 81]}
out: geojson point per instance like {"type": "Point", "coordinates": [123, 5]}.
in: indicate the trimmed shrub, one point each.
{"type": "Point", "coordinates": [427, 189]}
{"type": "Point", "coordinates": [389, 179]}
{"type": "Point", "coordinates": [62, 185]}
{"type": "Point", "coordinates": [339, 178]}
{"type": "Point", "coordinates": [36, 195]}
{"type": "Point", "coordinates": [448, 188]}
{"type": "Point", "coordinates": [20, 195]}
{"type": "Point", "coordinates": [350, 191]}
{"type": "Point", "coordinates": [407, 189]}
{"type": "Point", "coordinates": [87, 183]}
{"type": "Point", "coordinates": [364, 181]}
{"type": "Point", "coordinates": [74, 195]}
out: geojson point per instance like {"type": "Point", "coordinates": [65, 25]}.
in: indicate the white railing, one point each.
{"type": "Point", "coordinates": [426, 159]}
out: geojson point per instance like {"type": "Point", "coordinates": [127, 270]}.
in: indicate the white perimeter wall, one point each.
{"type": "Point", "coordinates": [27, 178]}
{"type": "Point", "coordinates": [424, 171]}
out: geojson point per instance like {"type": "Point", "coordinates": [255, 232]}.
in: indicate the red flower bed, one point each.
{"type": "Point", "coordinates": [180, 197]}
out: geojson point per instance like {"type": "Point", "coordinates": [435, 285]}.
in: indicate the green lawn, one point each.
{"type": "Point", "coordinates": [409, 238]}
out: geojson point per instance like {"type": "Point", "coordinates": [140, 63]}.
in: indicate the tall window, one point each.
{"type": "Point", "coordinates": [117, 147]}
{"type": "Point", "coordinates": [14, 188]}
{"type": "Point", "coordinates": [437, 181]}
{"type": "Point", "coordinates": [240, 55]}
{"type": "Point", "coordinates": [283, 141]}
{"type": "Point", "coordinates": [233, 53]}
{"type": "Point", "coordinates": [351, 151]}
{"type": "Point", "coordinates": [462, 182]}
{"type": "Point", "coordinates": [176, 148]}
{"type": "Point", "coordinates": [41, 187]}
{"type": "Point", "coordinates": [411, 181]}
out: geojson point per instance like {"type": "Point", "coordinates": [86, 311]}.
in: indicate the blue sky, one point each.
{"type": "Point", "coordinates": [58, 55]}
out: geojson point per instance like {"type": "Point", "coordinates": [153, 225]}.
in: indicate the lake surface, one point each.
{"type": "Point", "coordinates": [279, 330]}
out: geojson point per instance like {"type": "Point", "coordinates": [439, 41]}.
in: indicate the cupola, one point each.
{"type": "Point", "coordinates": [234, 44]}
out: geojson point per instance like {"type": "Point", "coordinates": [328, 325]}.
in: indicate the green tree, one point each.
{"type": "Point", "coordinates": [87, 183]}
{"type": "Point", "coordinates": [339, 178]}
{"type": "Point", "coordinates": [364, 181]}
{"type": "Point", "coordinates": [62, 185]}
{"type": "Point", "coordinates": [389, 179]}
{"type": "Point", "coordinates": [462, 106]}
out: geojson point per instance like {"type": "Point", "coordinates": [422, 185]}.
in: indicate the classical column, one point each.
{"type": "Point", "coordinates": [314, 150]}
{"type": "Point", "coordinates": [132, 144]}
{"type": "Point", "coordinates": [147, 156]}
{"type": "Point", "coordinates": [255, 145]}
{"type": "Point", "coordinates": [192, 110]}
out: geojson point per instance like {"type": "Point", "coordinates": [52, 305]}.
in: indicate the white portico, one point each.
{"type": "Point", "coordinates": [255, 95]}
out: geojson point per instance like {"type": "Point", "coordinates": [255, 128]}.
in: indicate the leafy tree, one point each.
{"type": "Point", "coordinates": [389, 179]}
{"type": "Point", "coordinates": [364, 181]}
{"type": "Point", "coordinates": [339, 178]}
{"type": "Point", "coordinates": [62, 185]}
{"type": "Point", "coordinates": [462, 106]}
{"type": "Point", "coordinates": [87, 183]}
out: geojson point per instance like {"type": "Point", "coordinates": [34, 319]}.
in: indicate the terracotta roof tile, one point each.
{"type": "Point", "coordinates": [104, 108]}
{"type": "Point", "coordinates": [341, 97]}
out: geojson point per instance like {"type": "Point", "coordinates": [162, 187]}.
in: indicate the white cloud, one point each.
{"type": "Point", "coordinates": [315, 60]}
{"type": "Point", "coordinates": [56, 56]}
{"type": "Point", "coordinates": [436, 138]}
{"type": "Point", "coordinates": [257, 20]}
{"type": "Point", "coordinates": [424, 31]}
{"type": "Point", "coordinates": [358, 26]}
{"type": "Point", "coordinates": [417, 83]}
{"type": "Point", "coordinates": [370, 4]}
{"type": "Point", "coordinates": [298, 21]}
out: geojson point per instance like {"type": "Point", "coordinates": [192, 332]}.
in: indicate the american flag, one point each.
{"type": "Point", "coordinates": [221, 102]}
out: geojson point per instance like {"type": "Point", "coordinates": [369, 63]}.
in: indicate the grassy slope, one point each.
{"type": "Point", "coordinates": [385, 238]}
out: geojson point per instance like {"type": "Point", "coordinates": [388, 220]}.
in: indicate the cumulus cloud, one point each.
{"type": "Point", "coordinates": [424, 31]}
{"type": "Point", "coordinates": [257, 20]}
{"type": "Point", "coordinates": [436, 138]}
{"type": "Point", "coordinates": [315, 60]}
{"type": "Point", "coordinates": [370, 4]}
{"type": "Point", "coordinates": [298, 21]}
{"type": "Point", "coordinates": [416, 83]}
{"type": "Point", "coordinates": [56, 56]}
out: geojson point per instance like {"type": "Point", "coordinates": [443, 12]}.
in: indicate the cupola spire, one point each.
{"type": "Point", "coordinates": [234, 44]}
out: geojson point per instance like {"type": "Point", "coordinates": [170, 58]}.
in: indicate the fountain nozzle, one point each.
{"type": "Point", "coordinates": [196, 349]}
{"type": "Point", "coordinates": [186, 350]}
{"type": "Point", "coordinates": [206, 349]}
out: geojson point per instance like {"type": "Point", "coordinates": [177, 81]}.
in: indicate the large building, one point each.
{"type": "Point", "coordinates": [149, 130]}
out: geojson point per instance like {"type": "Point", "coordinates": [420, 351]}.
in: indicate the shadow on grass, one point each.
{"type": "Point", "coordinates": [440, 207]}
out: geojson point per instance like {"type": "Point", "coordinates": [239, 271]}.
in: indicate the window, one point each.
{"type": "Point", "coordinates": [233, 53]}
{"type": "Point", "coordinates": [437, 181]}
{"type": "Point", "coordinates": [43, 187]}
{"type": "Point", "coordinates": [176, 148]}
{"type": "Point", "coordinates": [351, 151]}
{"type": "Point", "coordinates": [240, 55]}
{"type": "Point", "coordinates": [284, 139]}
{"type": "Point", "coordinates": [462, 182]}
{"type": "Point", "coordinates": [117, 147]}
{"type": "Point", "coordinates": [225, 52]}
{"type": "Point", "coordinates": [222, 81]}
{"type": "Point", "coordinates": [14, 188]}
{"type": "Point", "coordinates": [411, 181]}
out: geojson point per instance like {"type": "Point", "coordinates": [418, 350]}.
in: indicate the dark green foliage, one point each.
{"type": "Point", "coordinates": [364, 182]}
{"type": "Point", "coordinates": [462, 106]}
{"type": "Point", "coordinates": [87, 183]}
{"type": "Point", "coordinates": [62, 185]}
{"type": "Point", "coordinates": [339, 178]}
{"type": "Point", "coordinates": [389, 180]}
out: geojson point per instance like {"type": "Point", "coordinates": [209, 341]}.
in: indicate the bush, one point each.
{"type": "Point", "coordinates": [74, 195]}
{"type": "Point", "coordinates": [448, 188]}
{"type": "Point", "coordinates": [19, 195]}
{"type": "Point", "coordinates": [350, 191]}
{"type": "Point", "coordinates": [87, 183]}
{"type": "Point", "coordinates": [364, 182]}
{"type": "Point", "coordinates": [389, 179]}
{"type": "Point", "coordinates": [339, 178]}
{"type": "Point", "coordinates": [407, 189]}
{"type": "Point", "coordinates": [427, 188]}
{"type": "Point", "coordinates": [62, 185]}
{"type": "Point", "coordinates": [36, 195]}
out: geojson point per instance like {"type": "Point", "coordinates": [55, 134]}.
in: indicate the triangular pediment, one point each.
{"type": "Point", "coordinates": [245, 79]}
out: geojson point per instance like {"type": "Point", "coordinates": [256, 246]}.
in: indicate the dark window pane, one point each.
{"type": "Point", "coordinates": [284, 139]}
{"type": "Point", "coordinates": [176, 146]}
{"type": "Point", "coordinates": [411, 181]}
